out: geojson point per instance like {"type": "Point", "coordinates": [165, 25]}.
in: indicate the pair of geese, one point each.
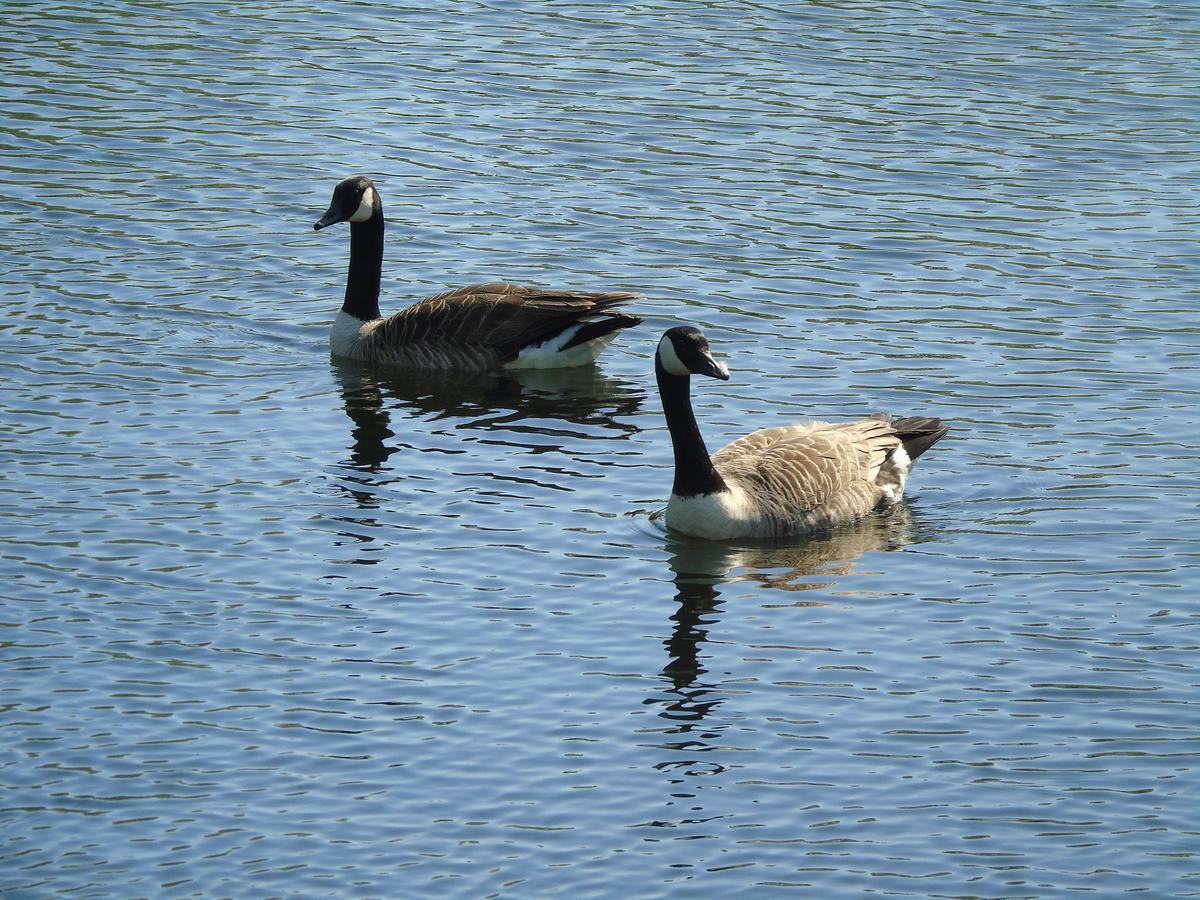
{"type": "Point", "coordinates": [774, 482]}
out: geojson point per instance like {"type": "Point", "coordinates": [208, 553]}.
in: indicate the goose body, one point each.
{"type": "Point", "coordinates": [781, 481]}
{"type": "Point", "coordinates": [482, 327]}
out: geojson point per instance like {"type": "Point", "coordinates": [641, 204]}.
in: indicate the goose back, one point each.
{"type": "Point", "coordinates": [487, 326]}
{"type": "Point", "coordinates": [804, 477]}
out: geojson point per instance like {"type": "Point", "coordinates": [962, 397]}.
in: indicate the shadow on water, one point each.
{"type": "Point", "coordinates": [701, 568]}
{"type": "Point", "coordinates": [691, 736]}
{"type": "Point", "coordinates": [515, 403]}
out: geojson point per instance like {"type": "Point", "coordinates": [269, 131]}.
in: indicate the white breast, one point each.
{"type": "Point", "coordinates": [346, 335]}
{"type": "Point", "coordinates": [719, 516]}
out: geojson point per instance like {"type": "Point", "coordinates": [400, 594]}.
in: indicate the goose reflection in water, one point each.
{"type": "Point", "coordinates": [702, 567]}
{"type": "Point", "coordinates": [690, 733]}
{"type": "Point", "coordinates": [513, 405]}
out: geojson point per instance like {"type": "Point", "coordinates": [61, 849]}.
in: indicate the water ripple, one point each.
{"type": "Point", "coordinates": [273, 624]}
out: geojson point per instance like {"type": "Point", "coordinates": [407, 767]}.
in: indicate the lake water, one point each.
{"type": "Point", "coordinates": [275, 625]}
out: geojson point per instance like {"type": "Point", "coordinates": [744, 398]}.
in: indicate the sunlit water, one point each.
{"type": "Point", "coordinates": [277, 625]}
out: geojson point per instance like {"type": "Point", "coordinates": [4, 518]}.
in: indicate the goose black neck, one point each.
{"type": "Point", "coordinates": [366, 264]}
{"type": "Point", "coordinates": [695, 474]}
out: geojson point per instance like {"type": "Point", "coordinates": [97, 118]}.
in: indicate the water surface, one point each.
{"type": "Point", "coordinates": [276, 624]}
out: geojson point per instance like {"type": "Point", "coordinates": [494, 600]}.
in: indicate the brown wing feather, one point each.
{"type": "Point", "coordinates": [496, 319]}
{"type": "Point", "coordinates": [803, 475]}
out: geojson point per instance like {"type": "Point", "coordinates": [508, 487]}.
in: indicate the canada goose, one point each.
{"type": "Point", "coordinates": [778, 481]}
{"type": "Point", "coordinates": [478, 328]}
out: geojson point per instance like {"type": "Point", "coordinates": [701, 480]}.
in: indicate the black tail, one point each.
{"type": "Point", "coordinates": [916, 433]}
{"type": "Point", "coordinates": [613, 321]}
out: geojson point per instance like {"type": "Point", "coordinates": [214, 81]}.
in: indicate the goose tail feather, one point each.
{"type": "Point", "coordinates": [598, 328]}
{"type": "Point", "coordinates": [916, 433]}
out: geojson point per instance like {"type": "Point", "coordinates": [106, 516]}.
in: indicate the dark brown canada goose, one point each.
{"type": "Point", "coordinates": [478, 328]}
{"type": "Point", "coordinates": [778, 481]}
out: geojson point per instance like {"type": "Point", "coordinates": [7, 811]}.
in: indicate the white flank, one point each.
{"type": "Point", "coordinates": [550, 356]}
{"type": "Point", "coordinates": [893, 474]}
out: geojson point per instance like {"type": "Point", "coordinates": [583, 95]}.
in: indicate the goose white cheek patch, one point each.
{"type": "Point", "coordinates": [366, 208]}
{"type": "Point", "coordinates": [670, 359]}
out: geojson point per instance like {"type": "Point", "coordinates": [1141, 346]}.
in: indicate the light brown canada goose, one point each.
{"type": "Point", "coordinates": [477, 328]}
{"type": "Point", "coordinates": [781, 481]}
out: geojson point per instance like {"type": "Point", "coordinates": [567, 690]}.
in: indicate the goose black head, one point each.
{"type": "Point", "coordinates": [684, 351]}
{"type": "Point", "coordinates": [354, 200]}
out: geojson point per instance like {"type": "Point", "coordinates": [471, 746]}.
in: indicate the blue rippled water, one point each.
{"type": "Point", "coordinates": [274, 624]}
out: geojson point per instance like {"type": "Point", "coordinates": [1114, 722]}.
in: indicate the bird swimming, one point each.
{"type": "Point", "coordinates": [481, 327]}
{"type": "Point", "coordinates": [788, 480]}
